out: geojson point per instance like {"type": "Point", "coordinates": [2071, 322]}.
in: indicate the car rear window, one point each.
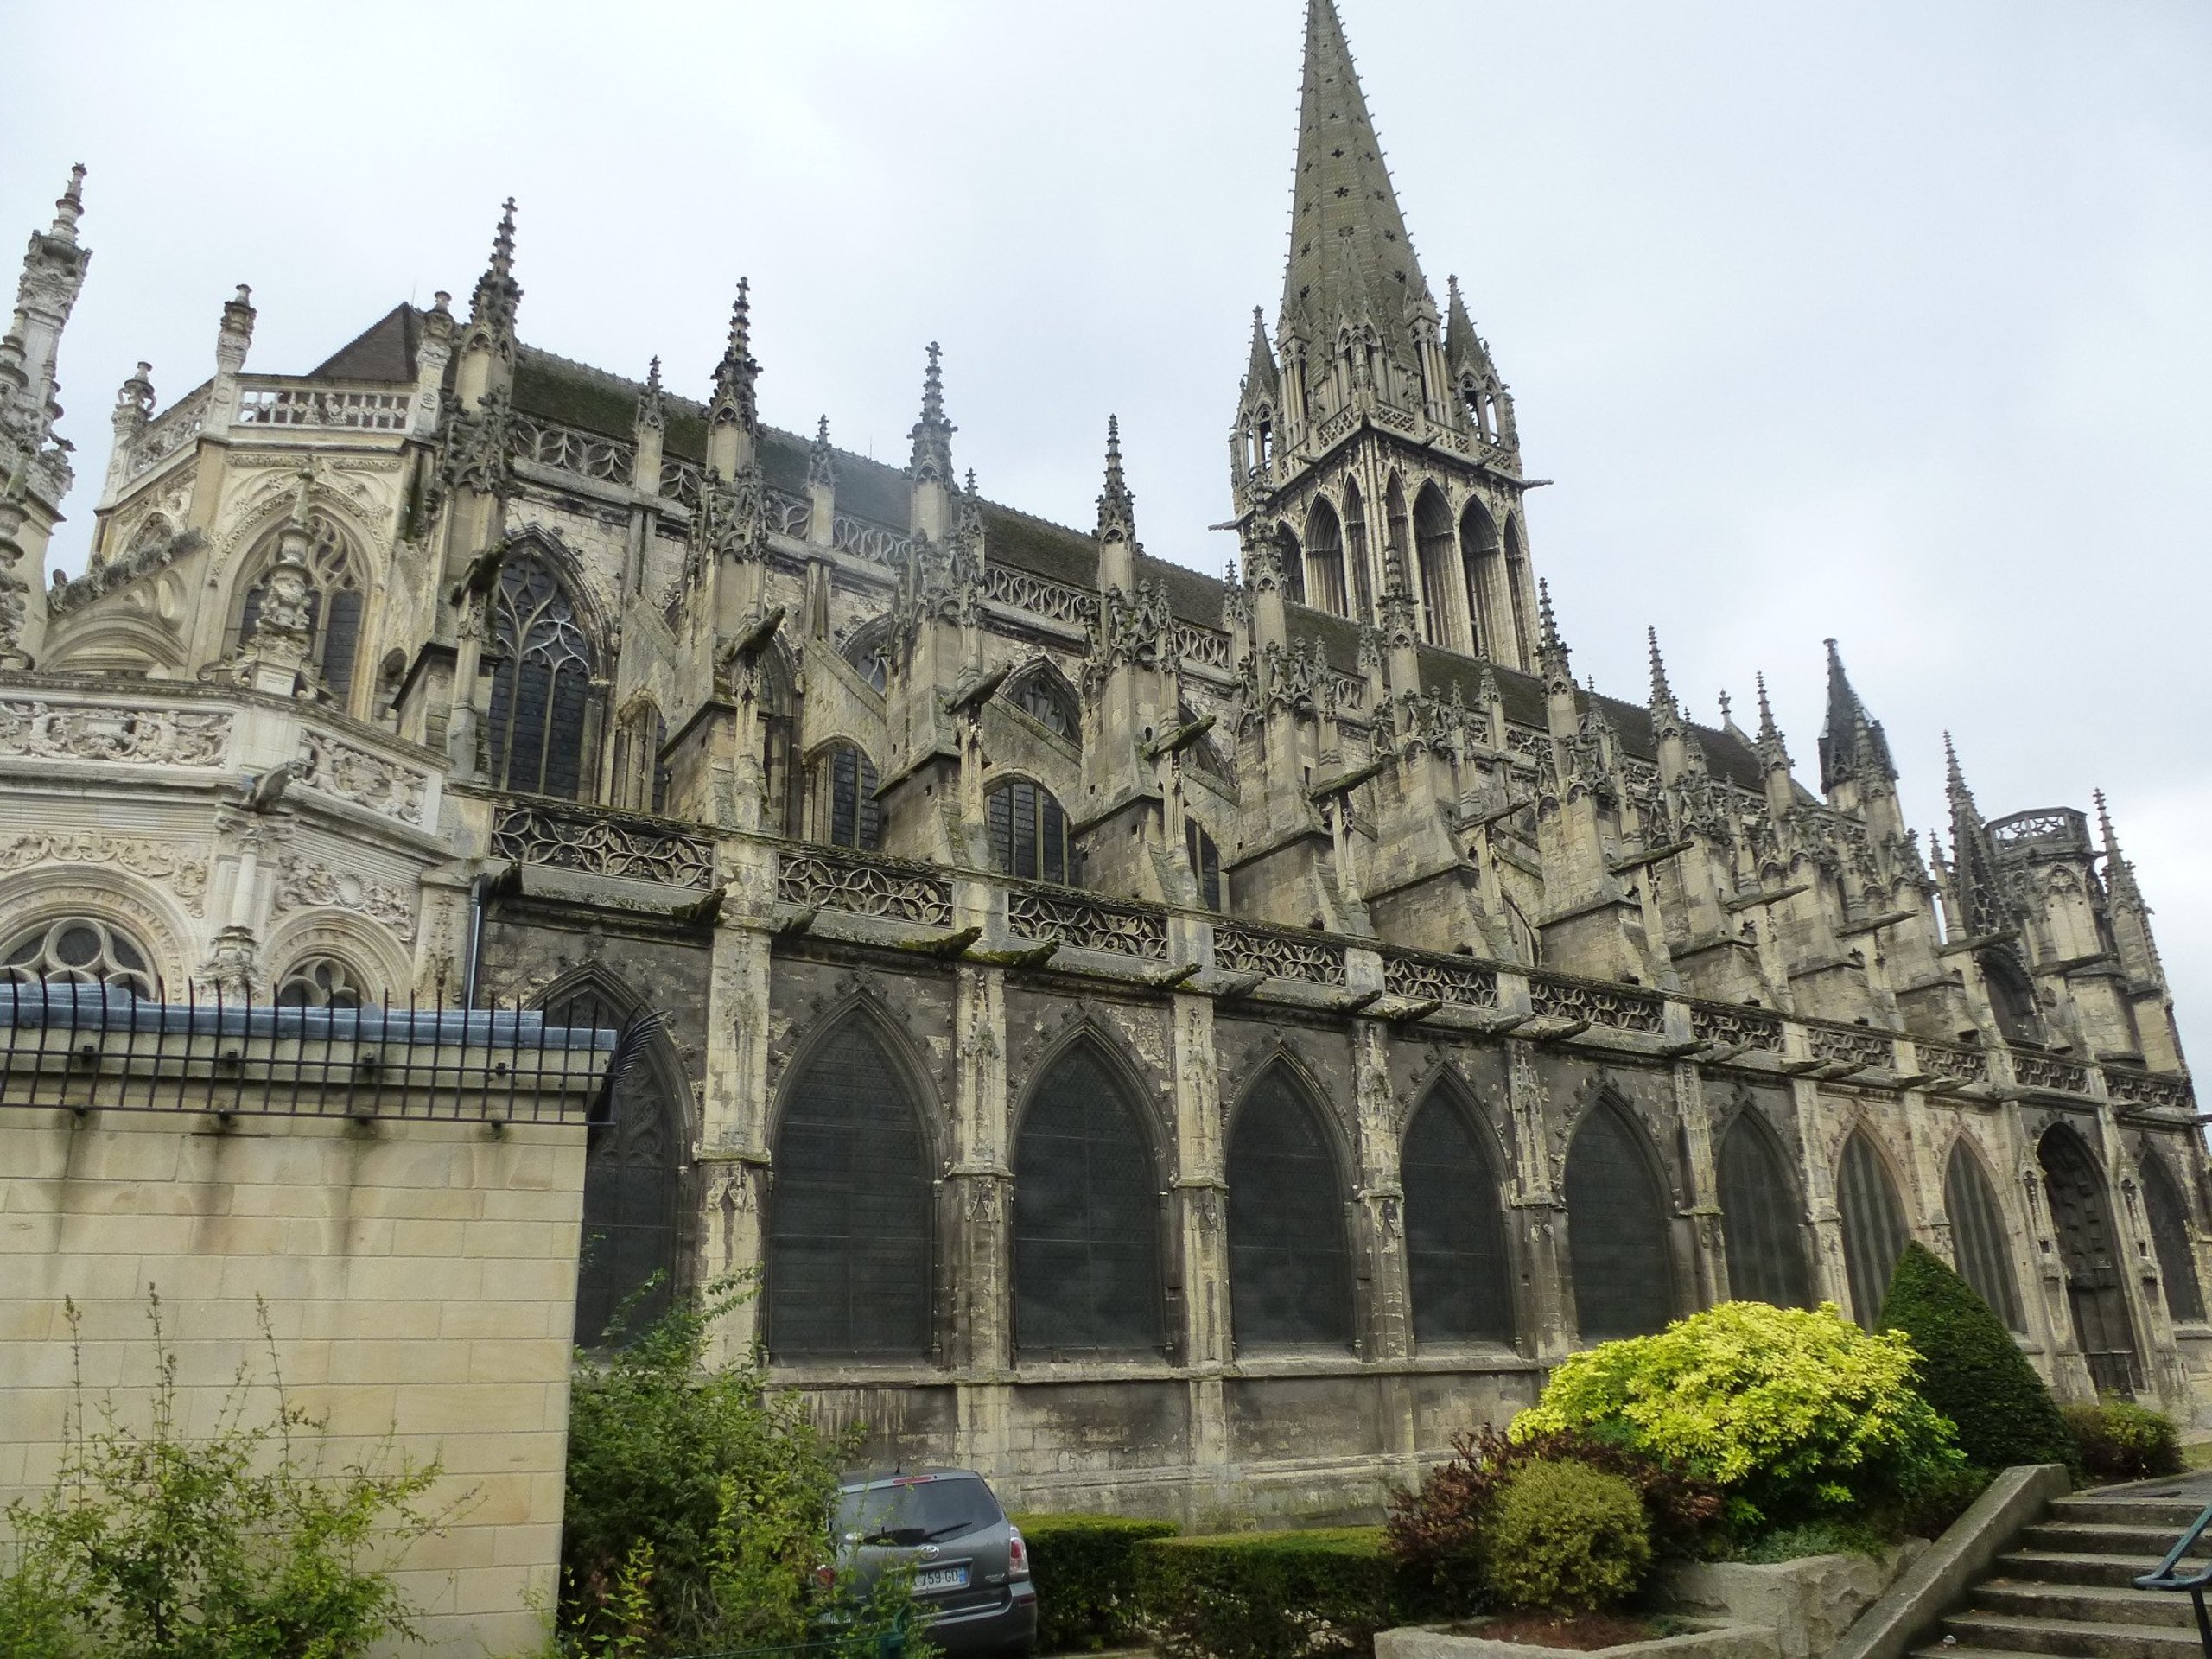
{"type": "Point", "coordinates": [918, 1510]}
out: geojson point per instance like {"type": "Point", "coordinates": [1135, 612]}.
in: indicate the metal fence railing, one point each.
{"type": "Point", "coordinates": [90, 1047]}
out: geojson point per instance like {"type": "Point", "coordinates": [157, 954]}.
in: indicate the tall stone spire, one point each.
{"type": "Point", "coordinates": [1851, 744]}
{"type": "Point", "coordinates": [1260, 372]}
{"type": "Point", "coordinates": [492, 307]}
{"type": "Point", "coordinates": [1666, 711]}
{"type": "Point", "coordinates": [1984, 906]}
{"type": "Point", "coordinates": [2119, 874]}
{"type": "Point", "coordinates": [53, 273]}
{"type": "Point", "coordinates": [737, 377]}
{"type": "Point", "coordinates": [931, 461]}
{"type": "Point", "coordinates": [1351, 260]}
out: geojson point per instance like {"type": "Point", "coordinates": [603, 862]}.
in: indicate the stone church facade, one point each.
{"type": "Point", "coordinates": [1165, 1041]}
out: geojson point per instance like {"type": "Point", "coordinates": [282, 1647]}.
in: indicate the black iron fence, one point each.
{"type": "Point", "coordinates": [89, 1047]}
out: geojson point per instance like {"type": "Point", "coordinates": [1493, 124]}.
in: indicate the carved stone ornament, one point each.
{"type": "Point", "coordinates": [181, 877]}
{"type": "Point", "coordinates": [339, 768]}
{"type": "Point", "coordinates": [300, 882]}
{"type": "Point", "coordinates": [139, 736]}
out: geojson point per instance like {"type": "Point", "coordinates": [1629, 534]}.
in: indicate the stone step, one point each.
{"type": "Point", "coordinates": [2075, 1567]}
{"type": "Point", "coordinates": [2137, 1510]}
{"type": "Point", "coordinates": [2148, 1544]}
{"type": "Point", "coordinates": [2083, 1604]}
{"type": "Point", "coordinates": [2073, 1638]}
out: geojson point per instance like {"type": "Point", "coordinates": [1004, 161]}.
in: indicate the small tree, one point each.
{"type": "Point", "coordinates": [247, 1544]}
{"type": "Point", "coordinates": [699, 1501]}
{"type": "Point", "coordinates": [1971, 1370]}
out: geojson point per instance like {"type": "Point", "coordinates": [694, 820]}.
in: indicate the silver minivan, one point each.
{"type": "Point", "coordinates": [971, 1567]}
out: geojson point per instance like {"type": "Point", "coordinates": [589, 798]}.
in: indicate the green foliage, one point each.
{"type": "Point", "coordinates": [2118, 1439]}
{"type": "Point", "coordinates": [1265, 1595]}
{"type": "Point", "coordinates": [246, 1543]}
{"type": "Point", "coordinates": [1566, 1539]}
{"type": "Point", "coordinates": [1815, 1538]}
{"type": "Point", "coordinates": [1795, 1415]}
{"type": "Point", "coordinates": [1437, 1533]}
{"type": "Point", "coordinates": [698, 1503]}
{"type": "Point", "coordinates": [1085, 1568]}
{"type": "Point", "coordinates": [1970, 1368]}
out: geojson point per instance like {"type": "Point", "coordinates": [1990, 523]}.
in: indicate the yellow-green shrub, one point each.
{"type": "Point", "coordinates": [1794, 1414]}
{"type": "Point", "coordinates": [1566, 1539]}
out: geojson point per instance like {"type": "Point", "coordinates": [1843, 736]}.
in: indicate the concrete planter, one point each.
{"type": "Point", "coordinates": [1717, 1642]}
{"type": "Point", "coordinates": [1808, 1603]}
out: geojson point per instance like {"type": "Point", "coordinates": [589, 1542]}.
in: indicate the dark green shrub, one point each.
{"type": "Point", "coordinates": [2118, 1439]}
{"type": "Point", "coordinates": [1265, 1595]}
{"type": "Point", "coordinates": [1566, 1539]}
{"type": "Point", "coordinates": [1971, 1370]}
{"type": "Point", "coordinates": [1085, 1573]}
{"type": "Point", "coordinates": [1435, 1534]}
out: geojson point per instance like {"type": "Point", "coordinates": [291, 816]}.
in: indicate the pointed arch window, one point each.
{"type": "Point", "coordinates": [337, 601]}
{"type": "Point", "coordinates": [1874, 1231]}
{"type": "Point", "coordinates": [870, 652]}
{"type": "Point", "coordinates": [1028, 832]}
{"type": "Point", "coordinates": [1038, 695]}
{"type": "Point", "coordinates": [1086, 1218]}
{"type": "Point", "coordinates": [1761, 1228]}
{"type": "Point", "coordinates": [2088, 1245]}
{"type": "Point", "coordinates": [1324, 587]}
{"type": "Point", "coordinates": [1361, 582]}
{"type": "Point", "coordinates": [1397, 532]}
{"type": "Point", "coordinates": [640, 780]}
{"type": "Point", "coordinates": [849, 1233]}
{"type": "Point", "coordinates": [846, 812]}
{"type": "Point", "coordinates": [1206, 861]}
{"type": "Point", "coordinates": [541, 733]}
{"type": "Point", "coordinates": [1447, 606]}
{"type": "Point", "coordinates": [79, 950]}
{"type": "Point", "coordinates": [1289, 1256]}
{"type": "Point", "coordinates": [634, 1173]}
{"type": "Point", "coordinates": [1616, 1230]}
{"type": "Point", "coordinates": [1481, 567]}
{"type": "Point", "coordinates": [1292, 557]}
{"type": "Point", "coordinates": [1978, 1238]}
{"type": "Point", "coordinates": [1461, 1277]}
{"type": "Point", "coordinates": [2166, 1211]}
{"type": "Point", "coordinates": [1517, 599]}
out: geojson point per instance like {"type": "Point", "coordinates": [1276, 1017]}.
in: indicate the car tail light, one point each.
{"type": "Point", "coordinates": [1017, 1555]}
{"type": "Point", "coordinates": [826, 1576]}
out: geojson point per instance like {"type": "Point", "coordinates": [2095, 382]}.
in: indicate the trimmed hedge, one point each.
{"type": "Point", "coordinates": [1567, 1539]}
{"type": "Point", "coordinates": [1085, 1575]}
{"type": "Point", "coordinates": [2121, 1440]}
{"type": "Point", "coordinates": [1971, 1370]}
{"type": "Point", "coordinates": [1266, 1595]}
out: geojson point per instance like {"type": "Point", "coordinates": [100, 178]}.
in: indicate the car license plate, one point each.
{"type": "Point", "coordinates": [938, 1578]}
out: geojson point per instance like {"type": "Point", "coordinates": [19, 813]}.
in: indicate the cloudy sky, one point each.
{"type": "Point", "coordinates": [1891, 321]}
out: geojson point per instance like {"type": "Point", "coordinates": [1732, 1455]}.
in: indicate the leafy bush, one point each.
{"type": "Point", "coordinates": [1436, 1533]}
{"type": "Point", "coordinates": [1815, 1538]}
{"type": "Point", "coordinates": [1265, 1595]}
{"type": "Point", "coordinates": [1566, 1539]}
{"type": "Point", "coordinates": [245, 1543]}
{"type": "Point", "coordinates": [1085, 1569]}
{"type": "Point", "coordinates": [1795, 1416]}
{"type": "Point", "coordinates": [2118, 1439]}
{"type": "Point", "coordinates": [1970, 1368]}
{"type": "Point", "coordinates": [698, 1503]}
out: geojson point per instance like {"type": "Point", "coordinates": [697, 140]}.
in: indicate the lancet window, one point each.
{"type": "Point", "coordinates": [848, 1228]}
{"type": "Point", "coordinates": [1874, 1231]}
{"type": "Point", "coordinates": [1205, 862]}
{"type": "Point", "coordinates": [1978, 1235]}
{"type": "Point", "coordinates": [1324, 588]}
{"type": "Point", "coordinates": [640, 780]}
{"type": "Point", "coordinates": [846, 812]}
{"type": "Point", "coordinates": [1616, 1230]}
{"type": "Point", "coordinates": [1761, 1227]}
{"type": "Point", "coordinates": [1086, 1218]}
{"type": "Point", "coordinates": [1456, 1256]}
{"type": "Point", "coordinates": [1289, 1256]}
{"type": "Point", "coordinates": [1362, 584]}
{"type": "Point", "coordinates": [1447, 598]}
{"type": "Point", "coordinates": [1483, 568]}
{"type": "Point", "coordinates": [2166, 1212]}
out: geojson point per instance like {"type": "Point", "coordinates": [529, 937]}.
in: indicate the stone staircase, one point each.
{"type": "Point", "coordinates": [2068, 1588]}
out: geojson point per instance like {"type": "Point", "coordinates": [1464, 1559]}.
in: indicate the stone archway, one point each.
{"type": "Point", "coordinates": [2088, 1244]}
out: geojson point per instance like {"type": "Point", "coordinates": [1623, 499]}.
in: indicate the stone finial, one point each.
{"type": "Point", "coordinates": [69, 207]}
{"type": "Point", "coordinates": [1770, 747]}
{"type": "Point", "coordinates": [497, 297]}
{"type": "Point", "coordinates": [235, 335]}
{"type": "Point", "coordinates": [736, 394]}
{"type": "Point", "coordinates": [1118, 508]}
{"type": "Point", "coordinates": [134, 400]}
{"type": "Point", "coordinates": [931, 461]}
{"type": "Point", "coordinates": [652, 403]}
{"type": "Point", "coordinates": [820, 459]}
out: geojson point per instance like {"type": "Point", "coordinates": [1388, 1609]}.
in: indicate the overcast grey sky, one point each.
{"type": "Point", "coordinates": [1887, 320]}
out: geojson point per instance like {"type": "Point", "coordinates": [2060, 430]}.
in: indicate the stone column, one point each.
{"type": "Point", "coordinates": [1200, 1220]}
{"type": "Point", "coordinates": [1387, 1332]}
{"type": "Point", "coordinates": [733, 1096]}
{"type": "Point", "coordinates": [1831, 1283]}
{"type": "Point", "coordinates": [1708, 1231]}
{"type": "Point", "coordinates": [979, 1254]}
{"type": "Point", "coordinates": [1539, 1213]}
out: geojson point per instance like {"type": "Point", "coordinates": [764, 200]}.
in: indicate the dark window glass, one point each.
{"type": "Point", "coordinates": [632, 1172]}
{"type": "Point", "coordinates": [1978, 1236]}
{"type": "Point", "coordinates": [849, 1240]}
{"type": "Point", "coordinates": [1086, 1219]}
{"type": "Point", "coordinates": [1044, 701]}
{"type": "Point", "coordinates": [2091, 1251]}
{"type": "Point", "coordinates": [1874, 1232]}
{"type": "Point", "coordinates": [1205, 862]}
{"type": "Point", "coordinates": [1759, 1219]}
{"type": "Point", "coordinates": [540, 686]}
{"type": "Point", "coordinates": [855, 817]}
{"type": "Point", "coordinates": [1455, 1231]}
{"type": "Point", "coordinates": [1616, 1232]}
{"type": "Point", "coordinates": [1028, 832]}
{"type": "Point", "coordinates": [2168, 1216]}
{"type": "Point", "coordinates": [1289, 1260]}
